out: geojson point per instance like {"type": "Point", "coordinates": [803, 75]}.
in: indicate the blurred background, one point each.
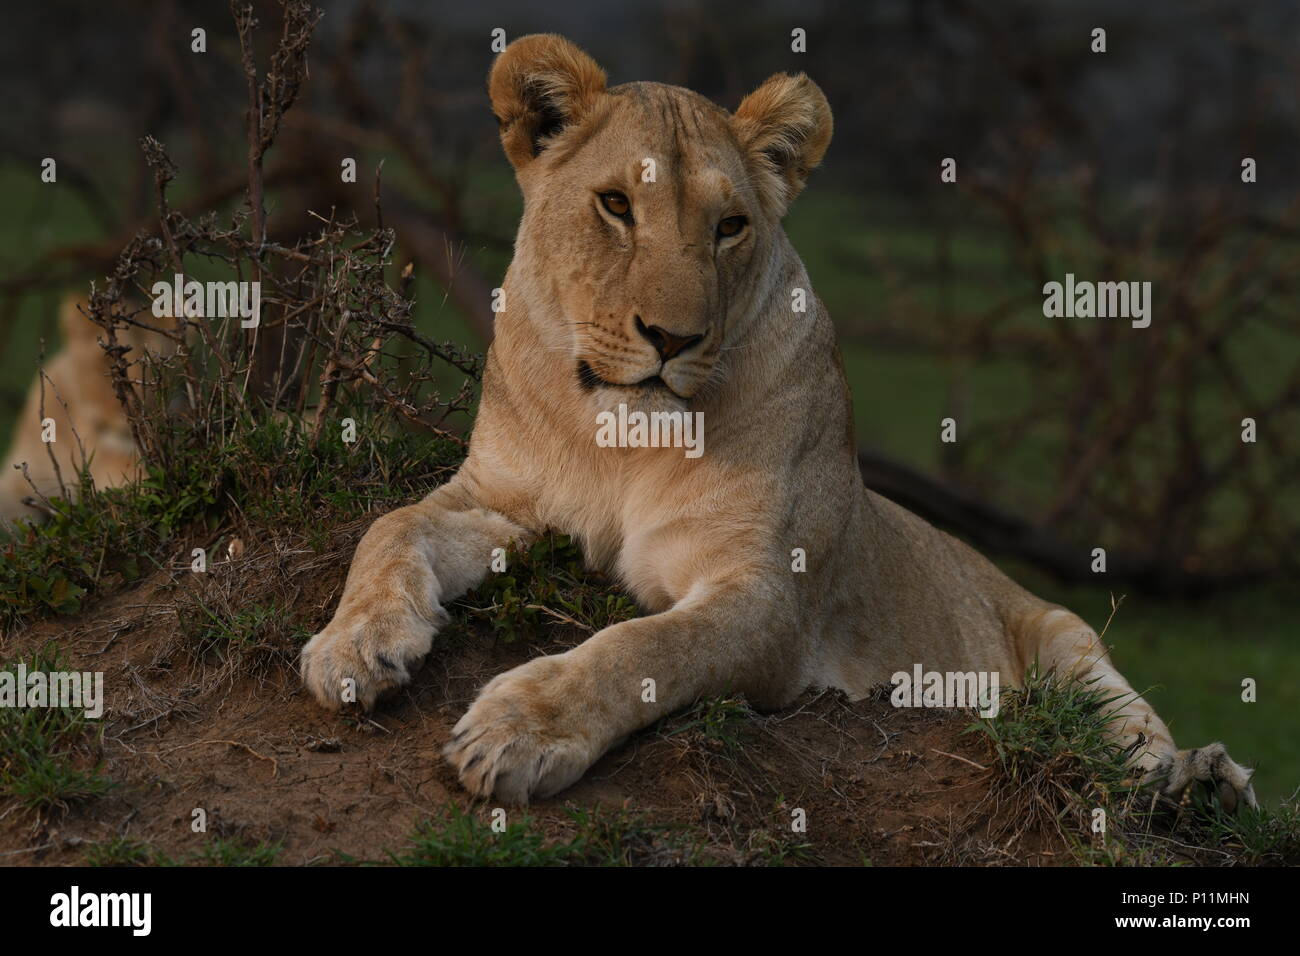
{"type": "Point", "coordinates": [1073, 434]}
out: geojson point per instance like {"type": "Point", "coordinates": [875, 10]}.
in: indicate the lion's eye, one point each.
{"type": "Point", "coordinates": [731, 226]}
{"type": "Point", "coordinates": [616, 204]}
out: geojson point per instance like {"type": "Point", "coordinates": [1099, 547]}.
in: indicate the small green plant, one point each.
{"type": "Point", "coordinates": [224, 636]}
{"type": "Point", "coordinates": [222, 851]}
{"type": "Point", "coordinates": [45, 752]}
{"type": "Point", "coordinates": [1057, 764]}
{"type": "Point", "coordinates": [254, 636]}
{"type": "Point", "coordinates": [121, 851]}
{"type": "Point", "coordinates": [767, 849]}
{"type": "Point", "coordinates": [545, 584]}
{"type": "Point", "coordinates": [1269, 836]}
{"type": "Point", "coordinates": [619, 837]}
{"type": "Point", "coordinates": [719, 722]}
{"type": "Point", "coordinates": [599, 837]}
{"type": "Point", "coordinates": [459, 839]}
{"type": "Point", "coordinates": [1059, 731]}
{"type": "Point", "coordinates": [229, 852]}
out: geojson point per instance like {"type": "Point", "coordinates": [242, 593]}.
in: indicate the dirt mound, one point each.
{"type": "Point", "coordinates": [202, 714]}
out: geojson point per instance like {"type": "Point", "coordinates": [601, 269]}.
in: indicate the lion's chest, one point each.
{"type": "Point", "coordinates": [642, 519]}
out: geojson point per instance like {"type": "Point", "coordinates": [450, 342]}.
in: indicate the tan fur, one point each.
{"type": "Point", "coordinates": [79, 397]}
{"type": "Point", "coordinates": [704, 544]}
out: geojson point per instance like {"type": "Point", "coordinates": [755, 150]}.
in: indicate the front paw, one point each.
{"type": "Point", "coordinates": [527, 735]}
{"type": "Point", "coordinates": [1214, 769]}
{"type": "Point", "coordinates": [359, 656]}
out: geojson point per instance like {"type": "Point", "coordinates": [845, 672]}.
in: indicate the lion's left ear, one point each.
{"type": "Point", "coordinates": [539, 86]}
{"type": "Point", "coordinates": [786, 125]}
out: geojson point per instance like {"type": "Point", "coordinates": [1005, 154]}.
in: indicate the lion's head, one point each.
{"type": "Point", "coordinates": [650, 213]}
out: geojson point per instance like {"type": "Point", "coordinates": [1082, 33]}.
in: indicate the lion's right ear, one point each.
{"type": "Point", "coordinates": [786, 124]}
{"type": "Point", "coordinates": [540, 85]}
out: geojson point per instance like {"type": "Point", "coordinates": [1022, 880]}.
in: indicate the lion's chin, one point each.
{"type": "Point", "coordinates": [651, 398]}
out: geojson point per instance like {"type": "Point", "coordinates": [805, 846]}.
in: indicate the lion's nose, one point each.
{"type": "Point", "coordinates": [665, 343]}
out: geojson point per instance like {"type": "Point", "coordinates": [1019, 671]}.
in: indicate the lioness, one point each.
{"type": "Point", "coordinates": [76, 395]}
{"type": "Point", "coordinates": [672, 292]}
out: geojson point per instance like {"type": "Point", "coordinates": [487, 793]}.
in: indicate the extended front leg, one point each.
{"type": "Point", "coordinates": [408, 565]}
{"type": "Point", "coordinates": [536, 729]}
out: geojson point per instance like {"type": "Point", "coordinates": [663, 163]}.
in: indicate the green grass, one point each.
{"type": "Point", "coordinates": [718, 722]}
{"type": "Point", "coordinates": [544, 585]}
{"type": "Point", "coordinates": [598, 838]}
{"type": "Point", "coordinates": [1058, 729]}
{"type": "Point", "coordinates": [1193, 660]}
{"type": "Point", "coordinates": [229, 852]}
{"type": "Point", "coordinates": [121, 851]}
{"type": "Point", "coordinates": [1271, 836]}
{"type": "Point", "coordinates": [460, 839]}
{"type": "Point", "coordinates": [234, 635]}
{"type": "Point", "coordinates": [222, 851]}
{"type": "Point", "coordinates": [268, 467]}
{"type": "Point", "coordinates": [251, 641]}
{"type": "Point", "coordinates": [1058, 766]}
{"type": "Point", "coordinates": [1189, 659]}
{"type": "Point", "coordinates": [47, 758]}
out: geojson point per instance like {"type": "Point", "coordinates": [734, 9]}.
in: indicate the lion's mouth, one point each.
{"type": "Point", "coordinates": [587, 377]}
{"type": "Point", "coordinates": [589, 380]}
